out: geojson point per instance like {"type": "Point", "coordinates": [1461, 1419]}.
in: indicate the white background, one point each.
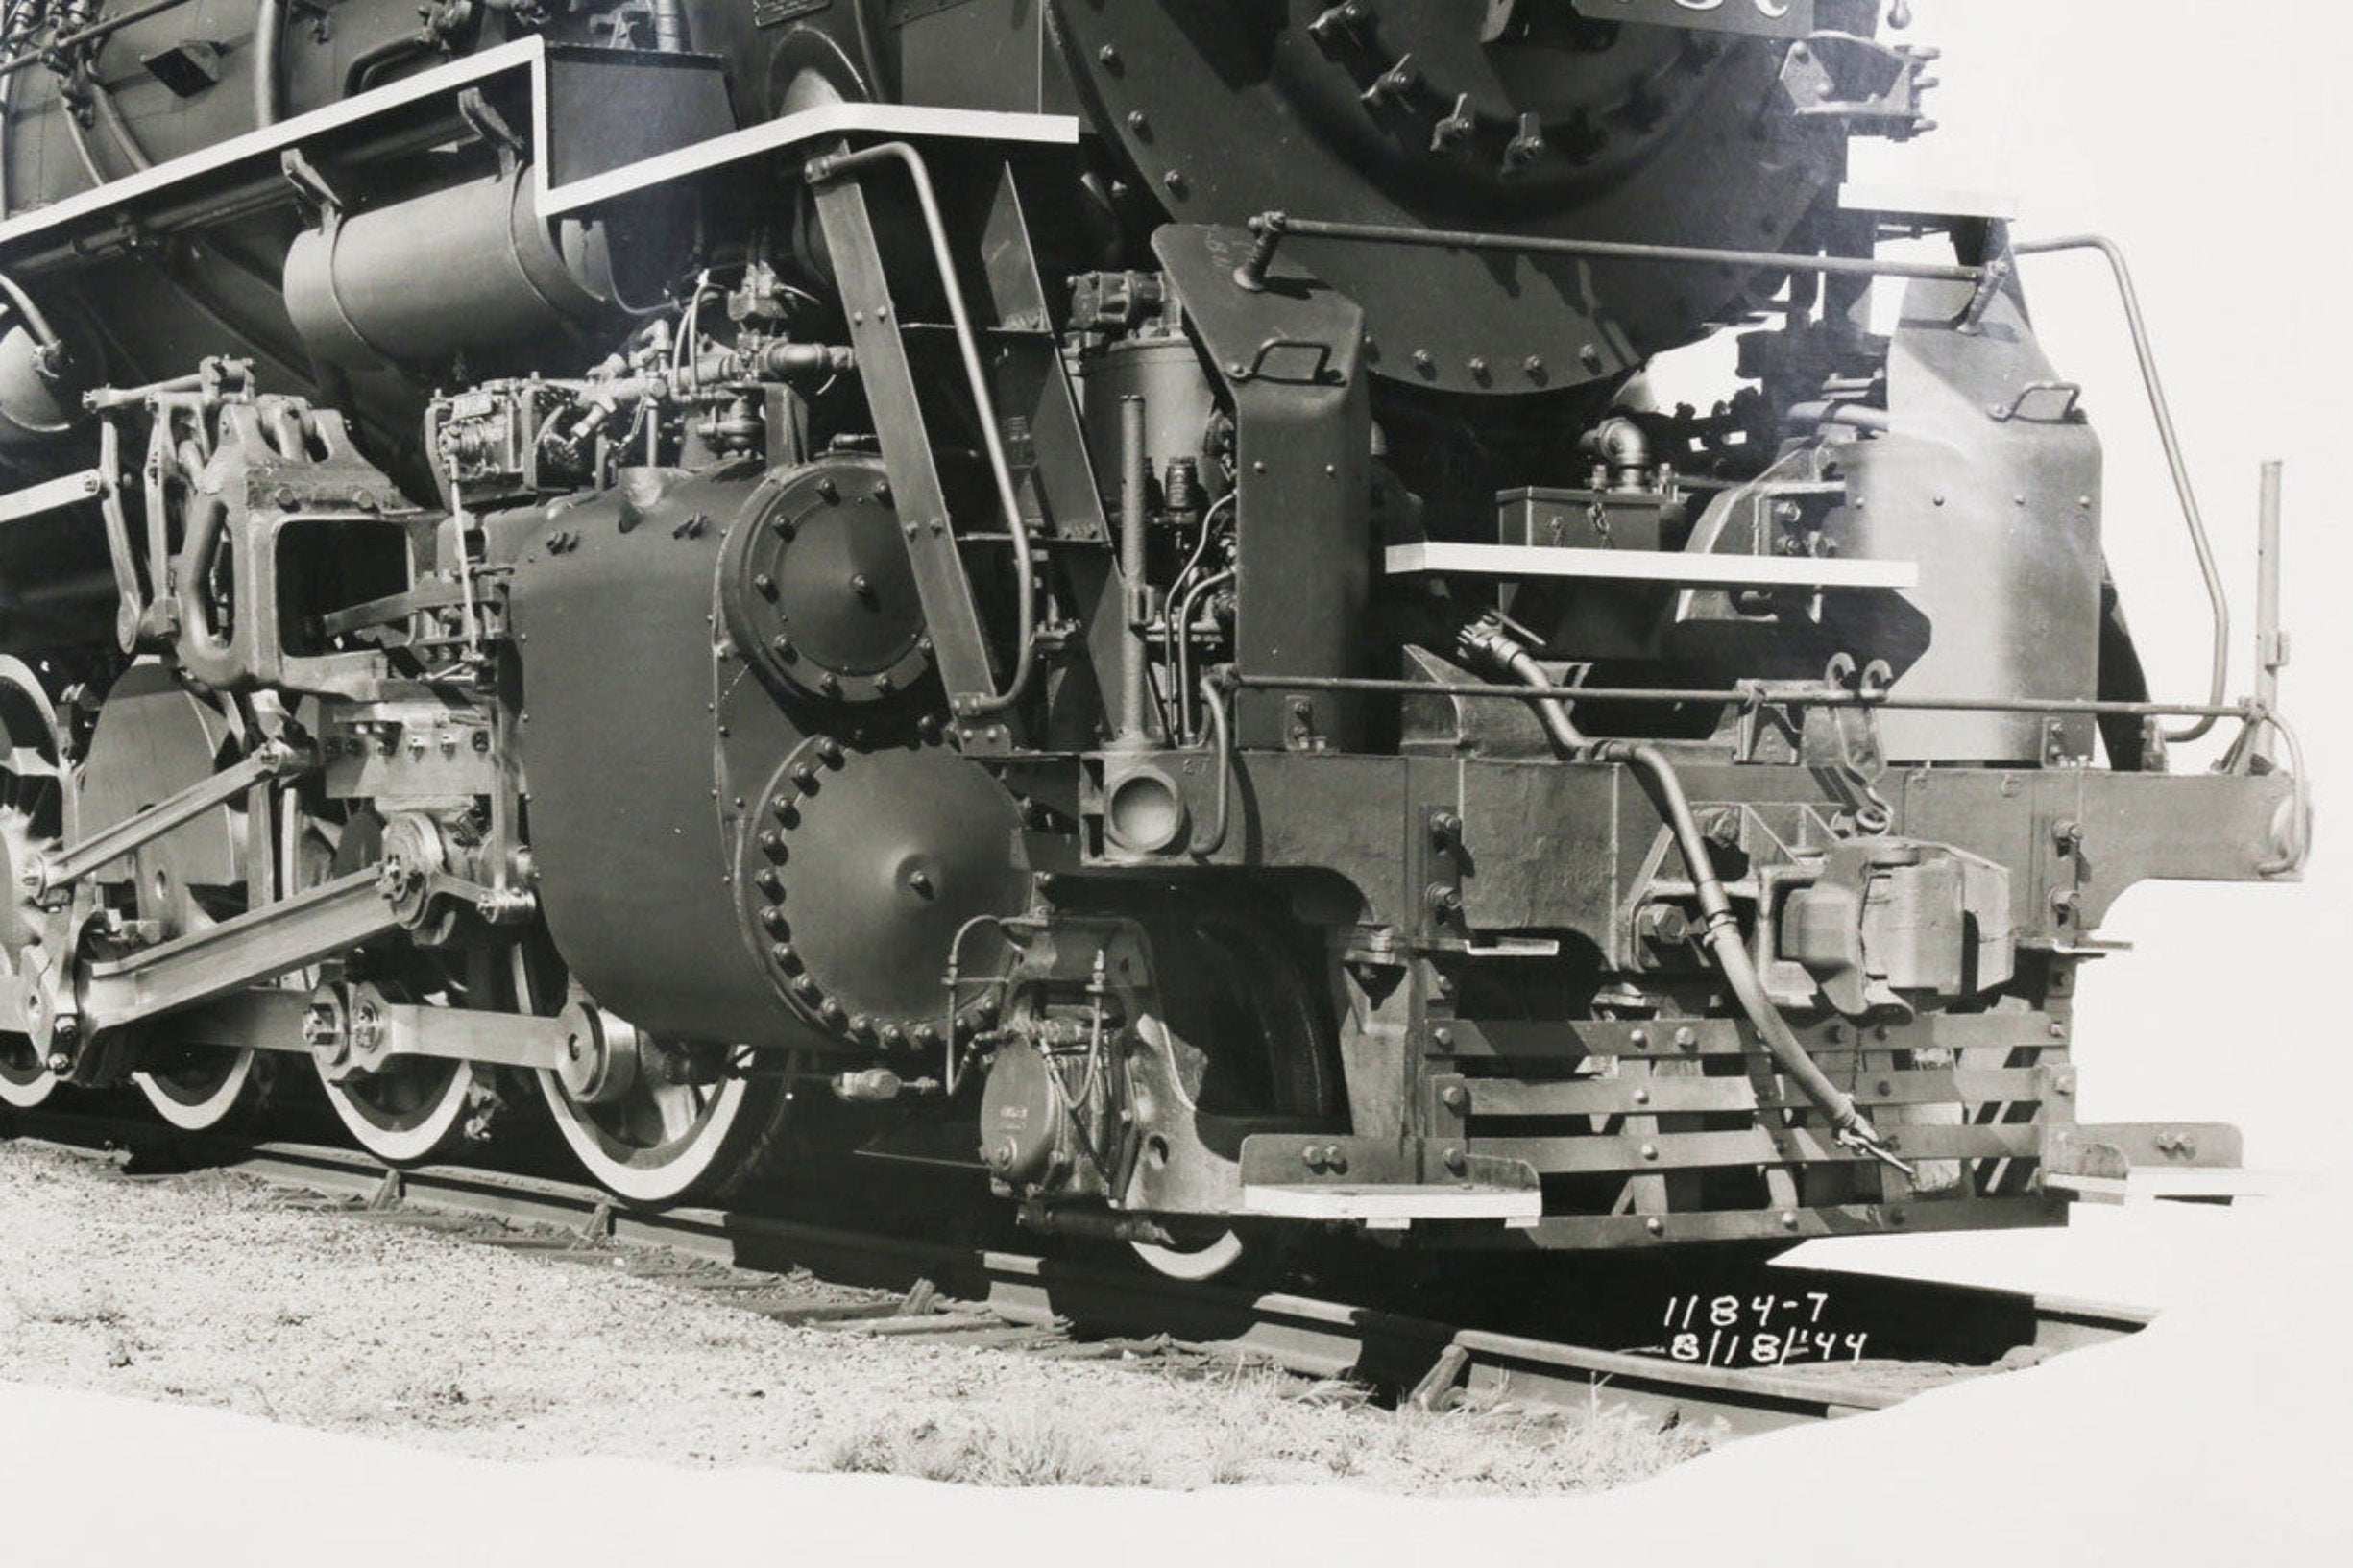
{"type": "Point", "coordinates": [2210, 139]}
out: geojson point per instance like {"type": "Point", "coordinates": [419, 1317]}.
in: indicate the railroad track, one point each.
{"type": "Point", "coordinates": [947, 1292]}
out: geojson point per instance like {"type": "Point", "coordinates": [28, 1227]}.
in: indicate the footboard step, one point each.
{"type": "Point", "coordinates": [2169, 1186]}
{"type": "Point", "coordinates": [1395, 1208]}
{"type": "Point", "coordinates": [2122, 1162]}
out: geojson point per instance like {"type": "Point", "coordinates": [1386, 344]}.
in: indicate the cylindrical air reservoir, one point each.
{"type": "Point", "coordinates": [470, 266]}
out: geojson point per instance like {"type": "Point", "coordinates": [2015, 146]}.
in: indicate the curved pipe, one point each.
{"type": "Point", "coordinates": [1852, 415]}
{"type": "Point", "coordinates": [2218, 596]}
{"type": "Point", "coordinates": [269, 62]}
{"type": "Point", "coordinates": [992, 433]}
{"type": "Point", "coordinates": [78, 136]}
{"type": "Point", "coordinates": [869, 44]}
{"type": "Point", "coordinates": [1220, 729]}
{"type": "Point", "coordinates": [126, 141]}
{"type": "Point", "coordinates": [357, 76]}
{"type": "Point", "coordinates": [35, 321]}
{"type": "Point", "coordinates": [1848, 1123]}
{"type": "Point", "coordinates": [1184, 626]}
{"type": "Point", "coordinates": [1491, 643]}
{"type": "Point", "coordinates": [2299, 848]}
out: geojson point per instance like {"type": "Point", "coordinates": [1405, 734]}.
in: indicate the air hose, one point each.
{"type": "Point", "coordinates": [1848, 1124]}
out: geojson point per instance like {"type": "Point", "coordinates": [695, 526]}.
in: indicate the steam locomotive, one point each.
{"type": "Point", "coordinates": [1092, 589]}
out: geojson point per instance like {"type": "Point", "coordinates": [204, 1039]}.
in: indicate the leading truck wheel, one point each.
{"type": "Point", "coordinates": [1251, 1043]}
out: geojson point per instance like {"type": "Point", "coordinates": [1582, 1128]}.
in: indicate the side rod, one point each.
{"type": "Point", "coordinates": [272, 760]}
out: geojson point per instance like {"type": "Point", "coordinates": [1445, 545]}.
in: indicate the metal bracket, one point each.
{"type": "Point", "coordinates": [313, 186]}
{"type": "Point", "coordinates": [1320, 374]}
{"type": "Point", "coordinates": [2069, 393]}
{"type": "Point", "coordinates": [1992, 279]}
{"type": "Point", "coordinates": [492, 127]}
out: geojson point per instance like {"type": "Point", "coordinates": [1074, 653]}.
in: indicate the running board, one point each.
{"type": "Point", "coordinates": [1677, 568]}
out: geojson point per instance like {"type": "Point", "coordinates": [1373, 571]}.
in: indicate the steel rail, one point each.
{"type": "Point", "coordinates": [1425, 1360]}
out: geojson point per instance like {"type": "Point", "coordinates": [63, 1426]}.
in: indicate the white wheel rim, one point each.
{"type": "Point", "coordinates": [1199, 1263]}
{"type": "Point", "coordinates": [203, 1108]}
{"type": "Point", "coordinates": [403, 1136]}
{"type": "Point", "coordinates": [698, 1127]}
{"type": "Point", "coordinates": [23, 1086]}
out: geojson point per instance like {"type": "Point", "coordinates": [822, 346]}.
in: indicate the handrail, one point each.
{"type": "Point", "coordinates": [1813, 697]}
{"type": "Point", "coordinates": [992, 435]}
{"type": "Point", "coordinates": [104, 27]}
{"type": "Point", "coordinates": [1273, 228]}
{"type": "Point", "coordinates": [1270, 229]}
{"type": "Point", "coordinates": [2218, 596]}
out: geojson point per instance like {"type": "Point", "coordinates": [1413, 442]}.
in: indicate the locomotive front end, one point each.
{"type": "Point", "coordinates": [1099, 587]}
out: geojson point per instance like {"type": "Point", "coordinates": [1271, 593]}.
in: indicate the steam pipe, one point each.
{"type": "Point", "coordinates": [2271, 643]}
{"type": "Point", "coordinates": [35, 321]}
{"type": "Point", "coordinates": [1220, 729]}
{"type": "Point", "coordinates": [269, 62]}
{"type": "Point", "coordinates": [1184, 626]}
{"type": "Point", "coordinates": [1133, 730]}
{"type": "Point", "coordinates": [104, 27]}
{"type": "Point", "coordinates": [1852, 415]}
{"type": "Point", "coordinates": [1848, 1123]}
{"type": "Point", "coordinates": [126, 141]}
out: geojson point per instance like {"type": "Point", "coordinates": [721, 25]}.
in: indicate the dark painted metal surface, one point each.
{"type": "Point", "coordinates": [616, 734]}
{"type": "Point", "coordinates": [1402, 113]}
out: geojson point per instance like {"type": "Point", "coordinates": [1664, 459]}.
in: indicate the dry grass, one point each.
{"type": "Point", "coordinates": [212, 1291]}
{"type": "Point", "coordinates": [1265, 1428]}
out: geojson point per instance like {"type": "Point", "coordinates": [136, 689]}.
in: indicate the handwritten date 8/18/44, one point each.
{"type": "Point", "coordinates": [1757, 1331]}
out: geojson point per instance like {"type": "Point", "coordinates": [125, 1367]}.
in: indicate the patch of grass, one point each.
{"type": "Point", "coordinates": [1023, 1449]}
{"type": "Point", "coordinates": [77, 1306]}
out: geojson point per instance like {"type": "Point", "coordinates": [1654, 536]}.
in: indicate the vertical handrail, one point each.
{"type": "Point", "coordinates": [992, 434]}
{"type": "Point", "coordinates": [2270, 643]}
{"type": "Point", "coordinates": [2218, 595]}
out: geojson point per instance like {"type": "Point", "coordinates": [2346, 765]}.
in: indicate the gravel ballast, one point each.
{"type": "Point", "coordinates": [212, 1288]}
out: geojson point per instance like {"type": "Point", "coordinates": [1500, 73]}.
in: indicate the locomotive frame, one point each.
{"type": "Point", "coordinates": [1270, 733]}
